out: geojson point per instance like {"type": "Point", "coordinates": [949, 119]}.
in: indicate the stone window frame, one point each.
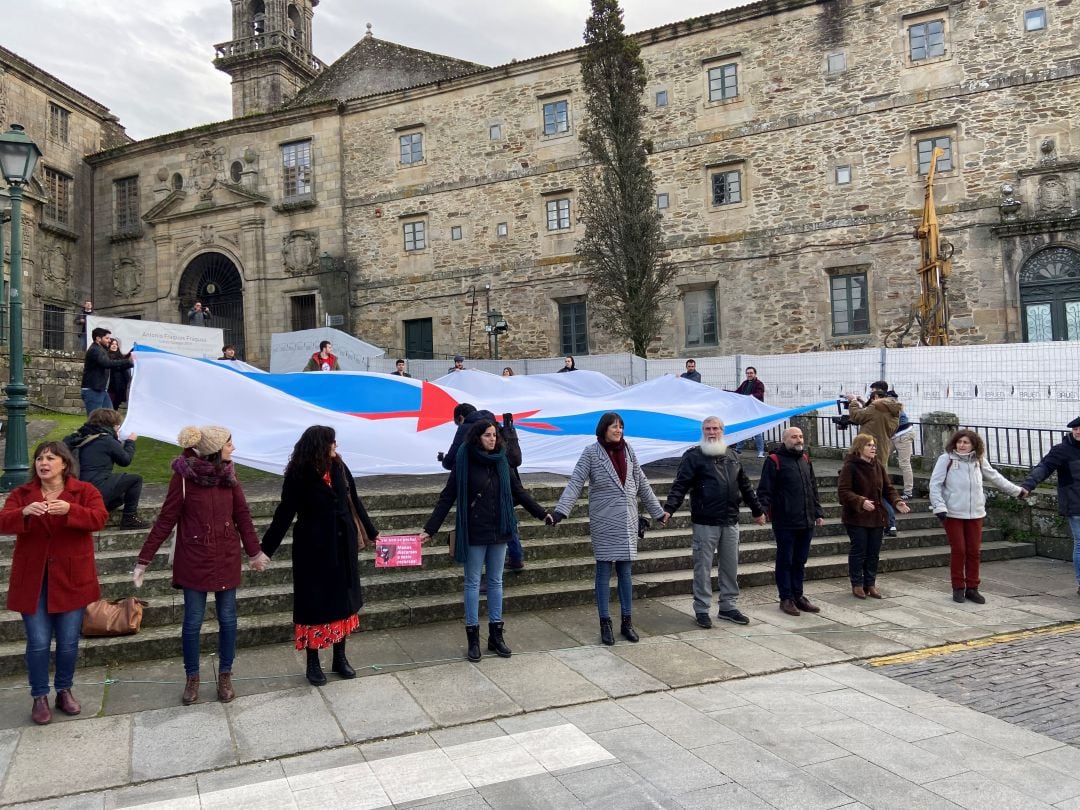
{"type": "Point", "coordinates": [297, 169]}
{"type": "Point", "coordinates": [236, 171]}
{"type": "Point", "coordinates": [913, 21]}
{"type": "Point", "coordinates": [59, 196]}
{"type": "Point", "coordinates": [495, 132]}
{"type": "Point", "coordinates": [293, 297]}
{"type": "Point", "coordinates": [502, 230]}
{"type": "Point", "coordinates": [415, 232]}
{"type": "Point", "coordinates": [727, 169]}
{"type": "Point", "coordinates": [838, 174]}
{"type": "Point", "coordinates": [663, 201]}
{"type": "Point", "coordinates": [836, 63]}
{"type": "Point", "coordinates": [414, 133]}
{"type": "Point", "coordinates": [546, 115]}
{"type": "Point", "coordinates": [126, 204]}
{"type": "Point", "coordinates": [176, 182]}
{"type": "Point", "coordinates": [704, 293]}
{"type": "Point", "coordinates": [1037, 13]}
{"type": "Point", "coordinates": [927, 139]}
{"type": "Point", "coordinates": [661, 98]}
{"type": "Point", "coordinates": [558, 207]}
{"type": "Point", "coordinates": [844, 275]}
{"type": "Point", "coordinates": [59, 123]}
{"type": "Point", "coordinates": [578, 325]}
{"type": "Point", "coordinates": [734, 60]}
{"type": "Point", "coordinates": [456, 233]}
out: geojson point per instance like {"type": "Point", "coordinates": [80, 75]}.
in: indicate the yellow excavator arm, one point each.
{"type": "Point", "coordinates": [932, 313]}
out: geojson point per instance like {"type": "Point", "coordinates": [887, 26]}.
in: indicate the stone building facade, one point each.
{"type": "Point", "coordinates": [405, 194]}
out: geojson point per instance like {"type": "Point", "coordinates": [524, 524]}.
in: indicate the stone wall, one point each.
{"type": "Point", "coordinates": [52, 379]}
{"type": "Point", "coordinates": [1034, 520]}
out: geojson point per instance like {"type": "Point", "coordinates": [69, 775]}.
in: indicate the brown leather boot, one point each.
{"type": "Point", "coordinates": [66, 702]}
{"type": "Point", "coordinates": [191, 690]}
{"type": "Point", "coordinates": [873, 592]}
{"type": "Point", "coordinates": [804, 604]}
{"type": "Point", "coordinates": [225, 691]}
{"type": "Point", "coordinates": [41, 714]}
{"type": "Point", "coordinates": [858, 592]}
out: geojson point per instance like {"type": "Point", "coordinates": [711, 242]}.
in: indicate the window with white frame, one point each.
{"type": "Point", "coordinates": [415, 235]}
{"type": "Point", "coordinates": [924, 153]}
{"type": "Point", "coordinates": [558, 213]}
{"type": "Point", "coordinates": [662, 200]}
{"type": "Point", "coordinates": [850, 306]}
{"type": "Point", "coordinates": [411, 148]}
{"type": "Point", "coordinates": [724, 82]}
{"type": "Point", "coordinates": [296, 166]}
{"type": "Point", "coordinates": [1035, 19]}
{"type": "Point", "coordinates": [836, 62]}
{"type": "Point", "coordinates": [699, 313]}
{"type": "Point", "coordinates": [495, 132]}
{"type": "Point", "coordinates": [661, 98]}
{"type": "Point", "coordinates": [501, 230]}
{"type": "Point", "coordinates": [726, 186]}
{"type": "Point", "coordinates": [843, 175]}
{"type": "Point", "coordinates": [556, 116]}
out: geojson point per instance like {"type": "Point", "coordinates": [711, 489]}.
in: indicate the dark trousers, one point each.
{"type": "Point", "coordinates": [792, 550]}
{"type": "Point", "coordinates": [863, 556]}
{"type": "Point", "coordinates": [122, 488]}
{"type": "Point", "coordinates": [965, 543]}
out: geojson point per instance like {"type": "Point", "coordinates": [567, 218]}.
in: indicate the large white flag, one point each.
{"type": "Point", "coordinates": [388, 424]}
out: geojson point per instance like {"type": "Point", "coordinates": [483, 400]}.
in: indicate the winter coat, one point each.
{"type": "Point", "coordinates": [119, 381]}
{"type": "Point", "coordinates": [325, 566]}
{"type": "Point", "coordinates": [695, 376]}
{"type": "Point", "coordinates": [508, 433]}
{"type": "Point", "coordinates": [752, 388]}
{"type": "Point", "coordinates": [788, 490]}
{"type": "Point", "coordinates": [859, 481]}
{"type": "Point", "coordinates": [206, 504]}
{"type": "Point", "coordinates": [879, 419]}
{"type": "Point", "coordinates": [1064, 459]}
{"type": "Point", "coordinates": [317, 363]}
{"type": "Point", "coordinates": [715, 484]}
{"type": "Point", "coordinates": [613, 509]}
{"type": "Point", "coordinates": [483, 489]}
{"type": "Point", "coordinates": [60, 545]}
{"type": "Point", "coordinates": [96, 367]}
{"type": "Point", "coordinates": [96, 448]}
{"type": "Point", "coordinates": [956, 485]}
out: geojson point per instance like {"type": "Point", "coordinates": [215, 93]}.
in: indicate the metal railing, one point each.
{"type": "Point", "coordinates": [1016, 446]}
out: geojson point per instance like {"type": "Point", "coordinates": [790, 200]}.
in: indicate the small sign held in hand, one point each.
{"type": "Point", "coordinates": [398, 551]}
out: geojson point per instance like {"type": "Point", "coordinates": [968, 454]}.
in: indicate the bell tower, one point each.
{"type": "Point", "coordinates": [269, 56]}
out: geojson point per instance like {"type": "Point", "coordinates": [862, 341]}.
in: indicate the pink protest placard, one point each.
{"type": "Point", "coordinates": [397, 550]}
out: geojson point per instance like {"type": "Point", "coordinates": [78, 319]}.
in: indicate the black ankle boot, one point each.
{"type": "Point", "coordinates": [341, 663]}
{"type": "Point", "coordinates": [496, 644]}
{"type": "Point", "coordinates": [314, 669]}
{"type": "Point", "coordinates": [606, 635]}
{"type": "Point", "coordinates": [628, 631]}
{"type": "Point", "coordinates": [472, 632]}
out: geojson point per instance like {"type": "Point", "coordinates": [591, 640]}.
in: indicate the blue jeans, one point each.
{"type": "Point", "coordinates": [492, 558]}
{"type": "Point", "coordinates": [603, 587]}
{"type": "Point", "coordinates": [1074, 524]}
{"type": "Point", "coordinates": [92, 400]}
{"type": "Point", "coordinates": [759, 443]}
{"type": "Point", "coordinates": [40, 629]}
{"type": "Point", "coordinates": [194, 610]}
{"type": "Point", "coordinates": [792, 551]}
{"type": "Point", "coordinates": [513, 549]}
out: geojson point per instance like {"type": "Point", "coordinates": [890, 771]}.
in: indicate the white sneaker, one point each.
{"type": "Point", "coordinates": [761, 455]}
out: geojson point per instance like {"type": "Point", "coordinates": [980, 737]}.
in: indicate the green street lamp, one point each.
{"type": "Point", "coordinates": [18, 158]}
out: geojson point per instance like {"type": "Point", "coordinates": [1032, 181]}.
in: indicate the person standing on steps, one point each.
{"type": "Point", "coordinates": [53, 577]}
{"type": "Point", "coordinates": [959, 501]}
{"type": "Point", "coordinates": [616, 481]}
{"type": "Point", "coordinates": [863, 488]}
{"type": "Point", "coordinates": [879, 418]}
{"type": "Point", "coordinates": [97, 367]}
{"type": "Point", "coordinates": [752, 386]}
{"type": "Point", "coordinates": [485, 491]}
{"type": "Point", "coordinates": [788, 493]}
{"type": "Point", "coordinates": [206, 505]}
{"type": "Point", "coordinates": [714, 478]}
{"type": "Point", "coordinates": [319, 491]}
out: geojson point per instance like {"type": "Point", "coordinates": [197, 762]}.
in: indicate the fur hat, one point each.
{"type": "Point", "coordinates": [206, 440]}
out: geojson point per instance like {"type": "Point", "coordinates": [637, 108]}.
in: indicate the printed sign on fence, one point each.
{"type": "Point", "coordinates": [397, 551]}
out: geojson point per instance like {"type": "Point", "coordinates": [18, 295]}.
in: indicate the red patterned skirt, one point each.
{"type": "Point", "coordinates": [321, 636]}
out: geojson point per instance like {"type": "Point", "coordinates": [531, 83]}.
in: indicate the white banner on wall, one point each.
{"type": "Point", "coordinates": [290, 351]}
{"type": "Point", "coordinates": [190, 341]}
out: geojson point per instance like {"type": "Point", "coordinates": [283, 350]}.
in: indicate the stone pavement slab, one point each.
{"type": "Point", "coordinates": [891, 753]}
{"type": "Point", "coordinates": [89, 688]}
{"type": "Point", "coordinates": [374, 707]}
{"type": "Point", "coordinates": [539, 792]}
{"type": "Point", "coordinates": [806, 651]}
{"type": "Point", "coordinates": [977, 791]}
{"type": "Point", "coordinates": [876, 787]}
{"type": "Point", "coordinates": [774, 734]}
{"type": "Point", "coordinates": [884, 717]}
{"type": "Point", "coordinates": [676, 663]}
{"type": "Point", "coordinates": [180, 793]}
{"type": "Point", "coordinates": [676, 720]}
{"type": "Point", "coordinates": [660, 761]}
{"type": "Point", "coordinates": [181, 740]}
{"type": "Point", "coordinates": [282, 723]}
{"type": "Point", "coordinates": [453, 694]}
{"type": "Point", "coordinates": [741, 653]}
{"type": "Point", "coordinates": [612, 673]}
{"type": "Point", "coordinates": [539, 680]}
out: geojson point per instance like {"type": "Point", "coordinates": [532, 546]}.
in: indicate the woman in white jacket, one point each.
{"type": "Point", "coordinates": [958, 500]}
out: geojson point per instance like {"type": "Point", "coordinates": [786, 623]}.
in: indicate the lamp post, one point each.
{"type": "Point", "coordinates": [18, 157]}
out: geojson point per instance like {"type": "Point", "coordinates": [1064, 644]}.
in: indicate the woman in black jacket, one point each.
{"type": "Point", "coordinates": [320, 492]}
{"type": "Point", "coordinates": [485, 492]}
{"type": "Point", "coordinates": [96, 446]}
{"type": "Point", "coordinates": [119, 378]}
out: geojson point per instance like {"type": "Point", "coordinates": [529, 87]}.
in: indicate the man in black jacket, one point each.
{"type": "Point", "coordinates": [788, 492]}
{"type": "Point", "coordinates": [1064, 459]}
{"type": "Point", "coordinates": [715, 480]}
{"type": "Point", "coordinates": [96, 447]}
{"type": "Point", "coordinates": [97, 366]}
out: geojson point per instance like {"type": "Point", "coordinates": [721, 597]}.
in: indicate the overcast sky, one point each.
{"type": "Point", "coordinates": [149, 61]}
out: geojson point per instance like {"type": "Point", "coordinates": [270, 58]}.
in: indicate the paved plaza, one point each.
{"type": "Point", "coordinates": [782, 713]}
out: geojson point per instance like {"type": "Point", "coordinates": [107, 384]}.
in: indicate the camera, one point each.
{"type": "Point", "coordinates": [440, 456]}
{"type": "Point", "coordinates": [841, 420]}
{"type": "Point", "coordinates": [508, 420]}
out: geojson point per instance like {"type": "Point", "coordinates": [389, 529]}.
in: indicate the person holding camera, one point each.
{"type": "Point", "coordinates": [878, 417]}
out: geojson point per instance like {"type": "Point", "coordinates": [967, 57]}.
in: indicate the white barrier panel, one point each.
{"type": "Point", "coordinates": [290, 351]}
{"type": "Point", "coordinates": [190, 341]}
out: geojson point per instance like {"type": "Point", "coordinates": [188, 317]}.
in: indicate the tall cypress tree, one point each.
{"type": "Point", "coordinates": [621, 249]}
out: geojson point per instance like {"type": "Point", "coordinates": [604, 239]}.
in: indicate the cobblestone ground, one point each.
{"type": "Point", "coordinates": [1031, 681]}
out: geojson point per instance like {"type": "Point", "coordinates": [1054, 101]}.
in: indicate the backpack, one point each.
{"type": "Point", "coordinates": [776, 459]}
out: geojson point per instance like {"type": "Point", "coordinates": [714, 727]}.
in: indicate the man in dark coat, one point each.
{"type": "Point", "coordinates": [96, 447]}
{"type": "Point", "coordinates": [752, 386]}
{"type": "Point", "coordinates": [788, 493]}
{"type": "Point", "coordinates": [96, 368]}
{"type": "Point", "coordinates": [692, 373]}
{"type": "Point", "coordinates": [1064, 459]}
{"type": "Point", "coordinates": [715, 479]}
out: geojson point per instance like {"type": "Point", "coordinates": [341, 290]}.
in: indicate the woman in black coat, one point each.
{"type": "Point", "coordinates": [119, 378]}
{"type": "Point", "coordinates": [320, 492]}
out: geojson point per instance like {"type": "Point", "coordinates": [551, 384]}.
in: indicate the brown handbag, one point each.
{"type": "Point", "coordinates": [362, 538]}
{"type": "Point", "coordinates": [118, 617]}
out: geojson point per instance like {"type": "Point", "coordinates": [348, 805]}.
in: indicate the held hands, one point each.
{"type": "Point", "coordinates": [664, 519]}
{"type": "Point", "coordinates": [553, 518]}
{"type": "Point", "coordinates": [425, 538]}
{"type": "Point", "coordinates": [260, 562]}
{"type": "Point", "coordinates": [137, 574]}
{"type": "Point", "coordinates": [819, 522]}
{"type": "Point", "coordinates": [941, 516]}
{"type": "Point", "coordinates": [1023, 493]}
{"type": "Point", "coordinates": [903, 508]}
{"type": "Point", "coordinates": [760, 520]}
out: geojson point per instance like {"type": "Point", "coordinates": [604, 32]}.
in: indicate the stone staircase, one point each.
{"type": "Point", "coordinates": [558, 572]}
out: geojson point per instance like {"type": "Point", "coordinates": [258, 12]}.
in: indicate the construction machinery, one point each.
{"type": "Point", "coordinates": [932, 312]}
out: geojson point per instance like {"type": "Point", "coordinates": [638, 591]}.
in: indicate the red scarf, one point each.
{"type": "Point", "coordinates": [616, 451]}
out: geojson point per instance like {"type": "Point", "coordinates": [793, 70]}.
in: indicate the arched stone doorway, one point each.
{"type": "Point", "coordinates": [213, 279]}
{"type": "Point", "coordinates": [1050, 295]}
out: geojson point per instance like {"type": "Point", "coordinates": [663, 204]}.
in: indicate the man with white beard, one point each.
{"type": "Point", "coordinates": [715, 480]}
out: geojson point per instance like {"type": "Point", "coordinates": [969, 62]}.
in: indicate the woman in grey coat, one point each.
{"type": "Point", "coordinates": [615, 481]}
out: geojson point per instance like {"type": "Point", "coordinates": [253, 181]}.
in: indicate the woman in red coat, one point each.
{"type": "Point", "coordinates": [206, 504]}
{"type": "Point", "coordinates": [53, 577]}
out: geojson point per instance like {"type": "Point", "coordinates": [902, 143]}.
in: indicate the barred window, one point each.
{"type": "Point", "coordinates": [415, 235]}
{"type": "Point", "coordinates": [58, 123]}
{"type": "Point", "coordinates": [57, 197]}
{"type": "Point", "coordinates": [558, 214]}
{"type": "Point", "coordinates": [52, 328]}
{"type": "Point", "coordinates": [126, 197]}
{"type": "Point", "coordinates": [412, 148]}
{"type": "Point", "coordinates": [556, 117]}
{"type": "Point", "coordinates": [296, 161]}
{"type": "Point", "coordinates": [724, 82]}
{"type": "Point", "coordinates": [727, 187]}
{"type": "Point", "coordinates": [926, 40]}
